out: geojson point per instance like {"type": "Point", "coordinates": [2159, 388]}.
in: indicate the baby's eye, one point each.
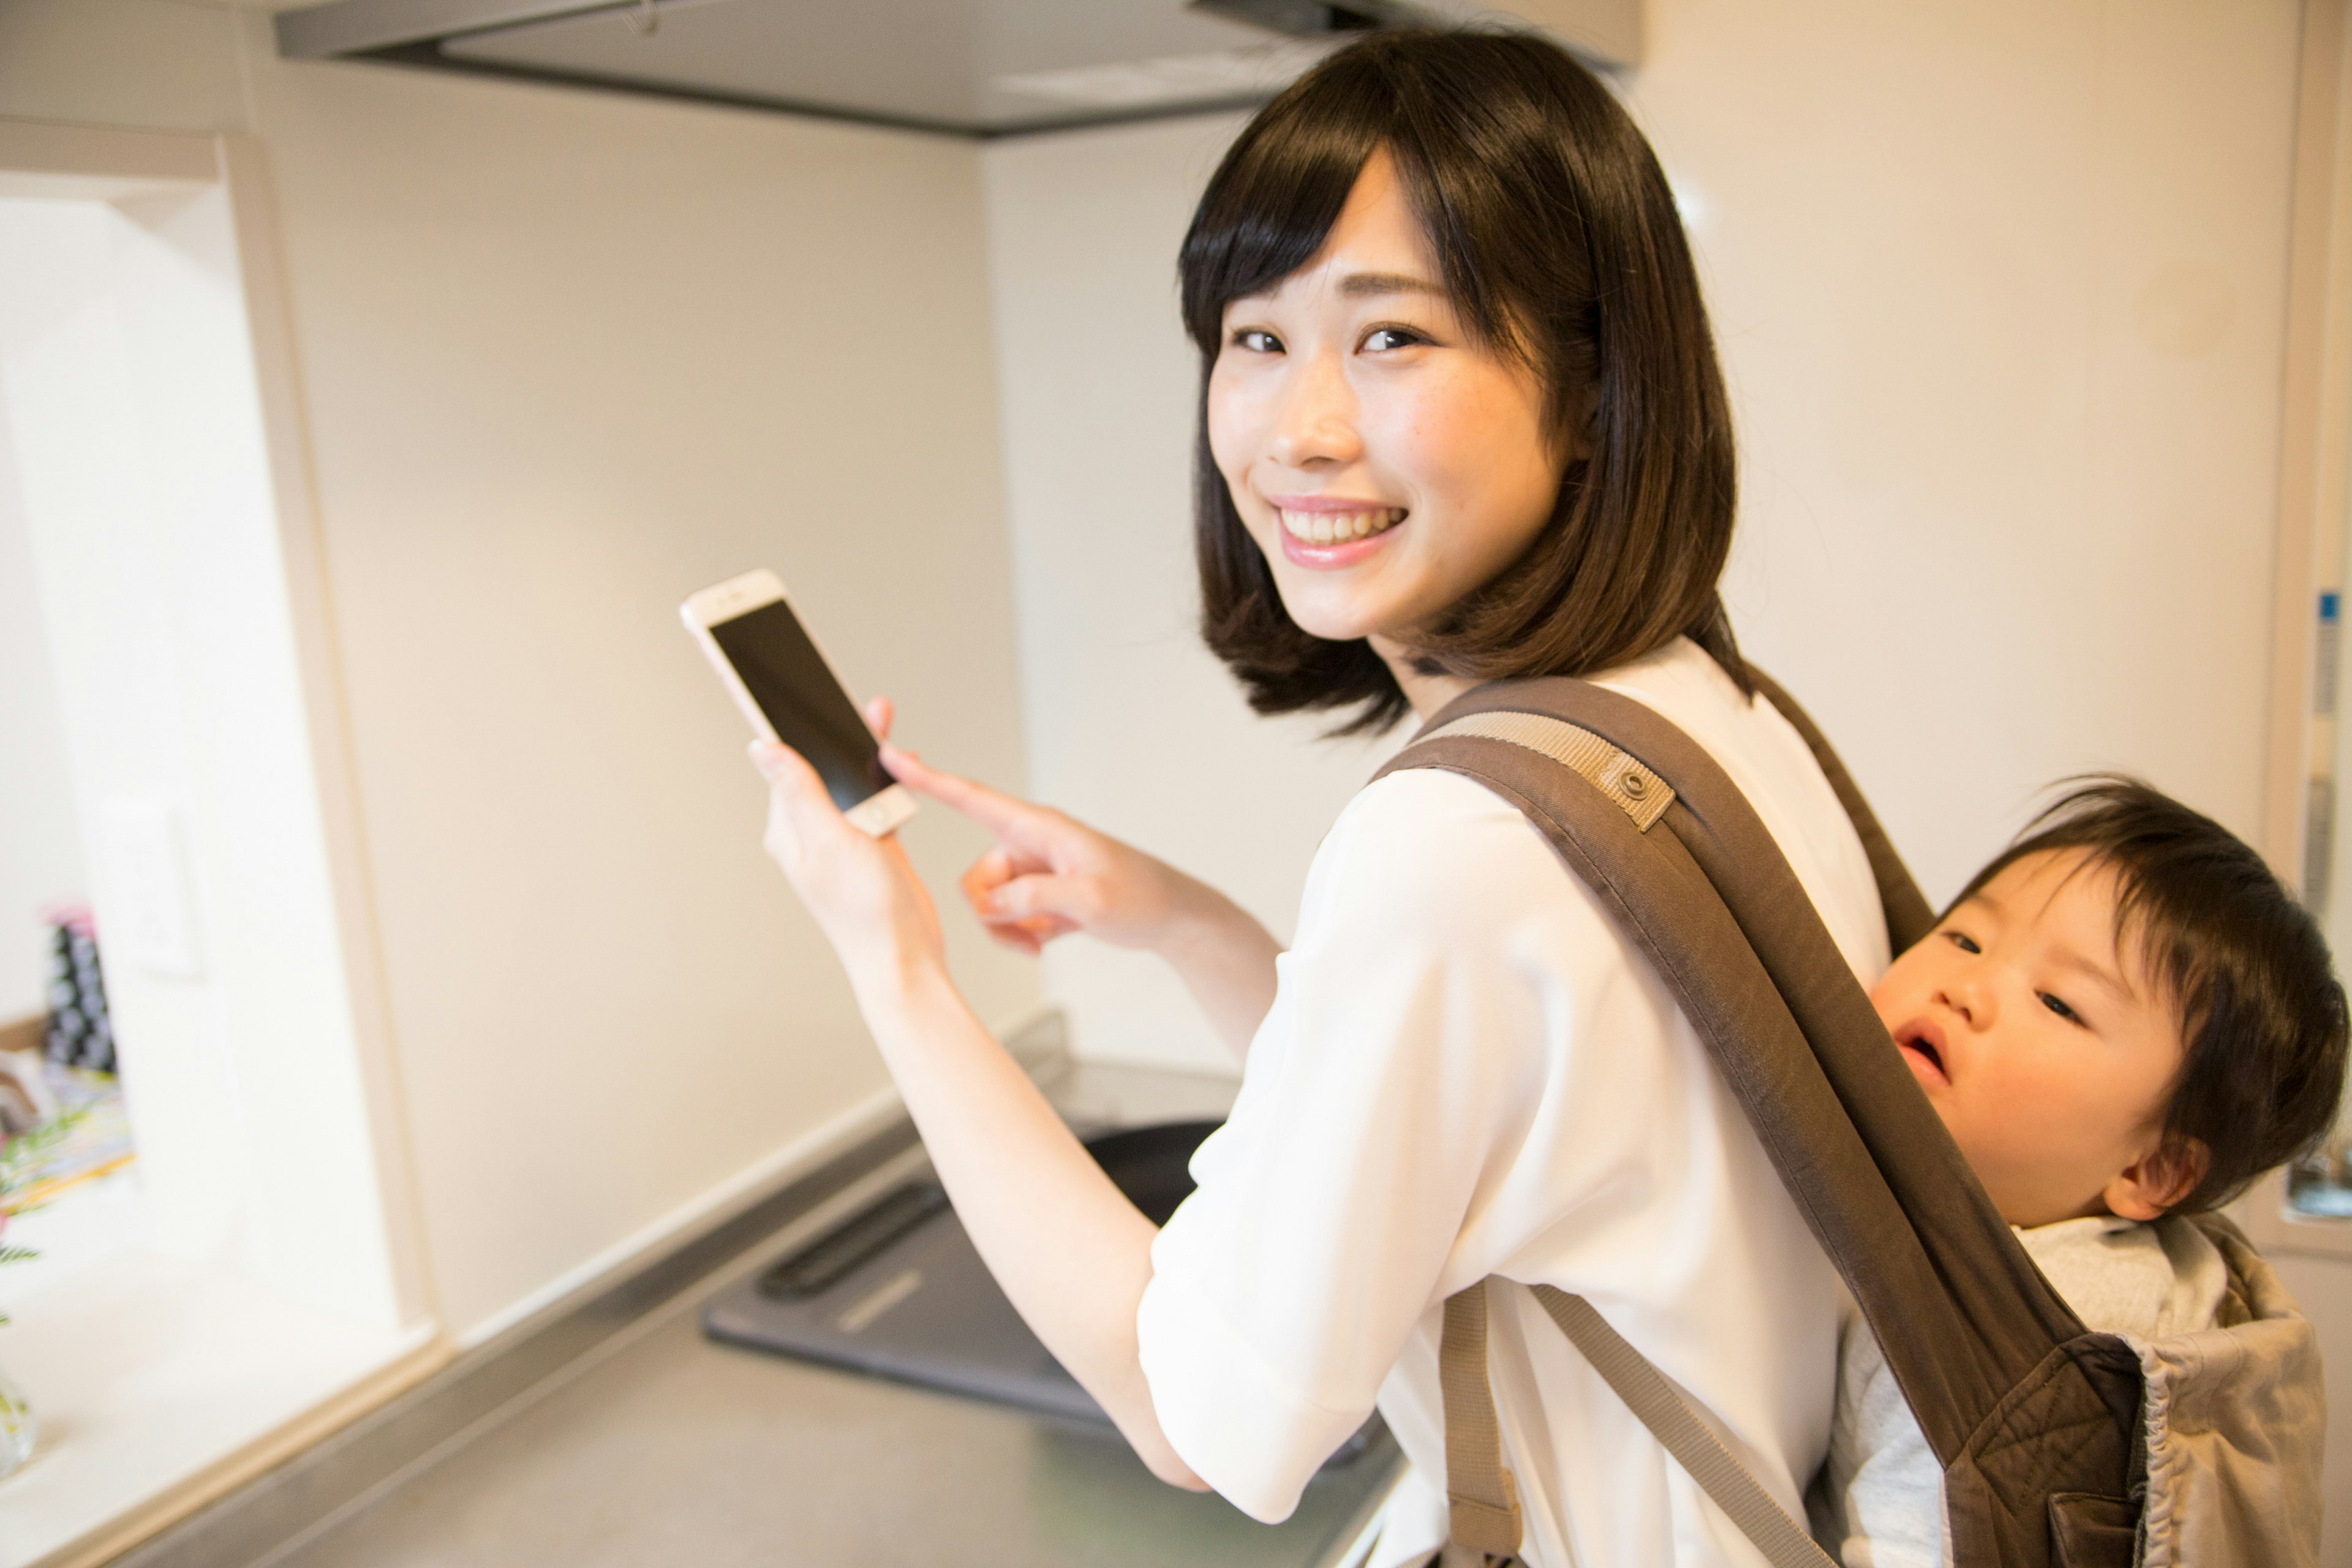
{"type": "Point", "coordinates": [1963, 941]}
{"type": "Point", "coordinates": [2057, 1005]}
{"type": "Point", "coordinates": [1380, 339]}
{"type": "Point", "coordinates": [1257, 341]}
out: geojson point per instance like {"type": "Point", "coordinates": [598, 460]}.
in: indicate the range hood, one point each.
{"type": "Point", "coordinates": [962, 67]}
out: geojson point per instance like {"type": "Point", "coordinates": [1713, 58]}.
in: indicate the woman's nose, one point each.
{"type": "Point", "coordinates": [1316, 423]}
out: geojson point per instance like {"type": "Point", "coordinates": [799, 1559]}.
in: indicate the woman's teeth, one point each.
{"type": "Point", "coordinates": [1337, 527]}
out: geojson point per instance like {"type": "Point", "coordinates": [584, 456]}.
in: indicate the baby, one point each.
{"type": "Point", "coordinates": [2123, 1017]}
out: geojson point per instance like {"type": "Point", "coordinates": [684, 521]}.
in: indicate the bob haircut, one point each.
{"type": "Point", "coordinates": [1559, 244]}
{"type": "Point", "coordinates": [2240, 963]}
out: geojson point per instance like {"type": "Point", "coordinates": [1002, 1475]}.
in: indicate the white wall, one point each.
{"type": "Point", "coordinates": [1999, 294]}
{"type": "Point", "coordinates": [129, 390]}
{"type": "Point", "coordinates": [2002, 298]}
{"type": "Point", "coordinates": [566, 357]}
{"type": "Point", "coordinates": [40, 845]}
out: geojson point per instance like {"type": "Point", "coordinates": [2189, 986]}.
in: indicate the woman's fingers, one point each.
{"type": "Point", "coordinates": [862, 890]}
{"type": "Point", "coordinates": [991, 871]}
{"type": "Point", "coordinates": [785, 770]}
{"type": "Point", "coordinates": [1020, 939]}
{"type": "Point", "coordinates": [1067, 902]}
{"type": "Point", "coordinates": [1029, 936]}
{"type": "Point", "coordinates": [878, 714]}
{"type": "Point", "coordinates": [793, 790]}
{"type": "Point", "coordinates": [1000, 814]}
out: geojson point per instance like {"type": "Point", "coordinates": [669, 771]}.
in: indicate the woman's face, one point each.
{"type": "Point", "coordinates": [1385, 463]}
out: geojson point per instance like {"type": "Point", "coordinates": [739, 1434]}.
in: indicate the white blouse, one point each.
{"type": "Point", "coordinates": [1468, 1069]}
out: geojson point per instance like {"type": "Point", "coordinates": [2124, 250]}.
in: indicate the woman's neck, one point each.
{"type": "Point", "coordinates": [1426, 693]}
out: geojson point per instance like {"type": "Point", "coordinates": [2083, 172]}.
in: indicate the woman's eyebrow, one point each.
{"type": "Point", "coordinates": [1365, 284]}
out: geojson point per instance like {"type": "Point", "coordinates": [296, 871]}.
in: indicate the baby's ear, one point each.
{"type": "Point", "coordinates": [2162, 1178]}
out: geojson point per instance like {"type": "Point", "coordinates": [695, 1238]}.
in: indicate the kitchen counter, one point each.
{"type": "Point", "coordinates": [658, 1445]}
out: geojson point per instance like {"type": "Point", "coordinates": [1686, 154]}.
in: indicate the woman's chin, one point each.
{"type": "Point", "coordinates": [1332, 623]}
{"type": "Point", "coordinates": [1323, 607]}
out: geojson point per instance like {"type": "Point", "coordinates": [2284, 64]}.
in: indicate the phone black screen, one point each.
{"type": "Point", "coordinates": [788, 678]}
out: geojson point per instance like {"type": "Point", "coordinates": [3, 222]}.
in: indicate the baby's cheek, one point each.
{"type": "Point", "coordinates": [1885, 1001]}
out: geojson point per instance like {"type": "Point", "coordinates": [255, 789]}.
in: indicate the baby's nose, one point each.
{"type": "Point", "coordinates": [1970, 999]}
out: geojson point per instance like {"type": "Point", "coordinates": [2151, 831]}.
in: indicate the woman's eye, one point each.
{"type": "Point", "coordinates": [1963, 941]}
{"type": "Point", "coordinates": [2057, 1005]}
{"type": "Point", "coordinates": [1380, 339]}
{"type": "Point", "coordinates": [1257, 341]}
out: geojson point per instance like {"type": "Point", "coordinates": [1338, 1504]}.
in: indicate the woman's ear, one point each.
{"type": "Point", "coordinates": [2161, 1178]}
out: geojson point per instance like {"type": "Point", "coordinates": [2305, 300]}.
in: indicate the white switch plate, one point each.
{"type": "Point", "coordinates": [150, 921]}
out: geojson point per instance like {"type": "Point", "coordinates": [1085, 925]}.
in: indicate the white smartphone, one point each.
{"type": "Point", "coordinates": [789, 691]}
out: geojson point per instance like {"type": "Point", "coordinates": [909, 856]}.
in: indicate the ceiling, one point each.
{"type": "Point", "coordinates": [967, 67]}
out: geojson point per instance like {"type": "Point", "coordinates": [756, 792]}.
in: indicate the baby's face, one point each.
{"type": "Point", "coordinates": [2046, 1051]}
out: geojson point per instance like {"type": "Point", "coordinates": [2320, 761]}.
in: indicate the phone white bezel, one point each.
{"type": "Point", "coordinates": [878, 814]}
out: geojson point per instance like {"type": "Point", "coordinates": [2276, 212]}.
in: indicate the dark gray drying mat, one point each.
{"type": "Point", "coordinates": [900, 1291]}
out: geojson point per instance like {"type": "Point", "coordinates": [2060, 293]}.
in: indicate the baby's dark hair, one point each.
{"type": "Point", "coordinates": [2241, 962]}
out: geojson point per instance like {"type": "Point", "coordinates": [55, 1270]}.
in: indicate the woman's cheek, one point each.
{"type": "Point", "coordinates": [1230, 413]}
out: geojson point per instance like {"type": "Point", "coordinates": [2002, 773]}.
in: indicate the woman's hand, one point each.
{"type": "Point", "coordinates": [1050, 875]}
{"type": "Point", "coordinates": [863, 894]}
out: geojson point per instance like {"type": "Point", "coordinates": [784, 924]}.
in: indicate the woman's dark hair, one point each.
{"type": "Point", "coordinates": [1559, 243]}
{"type": "Point", "coordinates": [2243, 965]}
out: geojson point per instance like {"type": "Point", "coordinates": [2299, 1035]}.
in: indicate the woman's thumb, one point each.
{"type": "Point", "coordinates": [1027, 898]}
{"type": "Point", "coordinates": [784, 768]}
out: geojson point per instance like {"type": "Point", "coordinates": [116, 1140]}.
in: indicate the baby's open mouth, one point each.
{"type": "Point", "coordinates": [1924, 1049]}
{"type": "Point", "coordinates": [1338, 527]}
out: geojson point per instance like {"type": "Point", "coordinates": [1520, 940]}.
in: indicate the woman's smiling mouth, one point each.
{"type": "Point", "coordinates": [1324, 533]}
{"type": "Point", "coordinates": [1321, 527]}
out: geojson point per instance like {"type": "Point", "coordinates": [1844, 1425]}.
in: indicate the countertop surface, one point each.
{"type": "Point", "coordinates": [662, 1447]}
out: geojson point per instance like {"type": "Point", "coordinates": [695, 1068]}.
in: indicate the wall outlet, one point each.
{"type": "Point", "coordinates": [151, 920]}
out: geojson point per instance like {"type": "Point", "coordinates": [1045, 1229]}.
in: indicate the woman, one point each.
{"type": "Point", "coordinates": [1462, 420]}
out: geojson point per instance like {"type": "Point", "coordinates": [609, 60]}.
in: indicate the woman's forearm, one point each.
{"type": "Point", "coordinates": [1071, 1252]}
{"type": "Point", "coordinates": [1225, 957]}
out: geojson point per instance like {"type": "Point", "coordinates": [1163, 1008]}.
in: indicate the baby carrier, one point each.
{"type": "Point", "coordinates": [2060, 1447]}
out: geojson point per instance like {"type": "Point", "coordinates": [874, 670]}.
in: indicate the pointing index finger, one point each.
{"type": "Point", "coordinates": [1000, 814]}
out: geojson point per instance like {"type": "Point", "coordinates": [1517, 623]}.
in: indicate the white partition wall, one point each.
{"type": "Point", "coordinates": [143, 487]}
{"type": "Point", "coordinates": [41, 846]}
{"type": "Point", "coordinates": [560, 358]}
{"type": "Point", "coordinates": [256, 1275]}
{"type": "Point", "coordinates": [541, 364]}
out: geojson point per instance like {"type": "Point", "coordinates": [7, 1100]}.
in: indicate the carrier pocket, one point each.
{"type": "Point", "coordinates": [2093, 1532]}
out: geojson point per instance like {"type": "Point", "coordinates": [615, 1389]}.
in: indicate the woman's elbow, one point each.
{"type": "Point", "coordinates": [1169, 1468]}
{"type": "Point", "coordinates": [1158, 1455]}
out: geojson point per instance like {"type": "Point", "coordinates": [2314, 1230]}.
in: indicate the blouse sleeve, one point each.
{"type": "Point", "coordinates": [1412, 1034]}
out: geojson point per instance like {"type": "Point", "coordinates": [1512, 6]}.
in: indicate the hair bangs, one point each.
{"type": "Point", "coordinates": [1275, 197]}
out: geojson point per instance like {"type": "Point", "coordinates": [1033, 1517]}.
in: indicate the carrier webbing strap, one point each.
{"type": "Point", "coordinates": [1482, 1499]}
{"type": "Point", "coordinates": [1991, 1361]}
{"type": "Point", "coordinates": [1671, 1420]}
{"type": "Point", "coordinates": [1475, 1472]}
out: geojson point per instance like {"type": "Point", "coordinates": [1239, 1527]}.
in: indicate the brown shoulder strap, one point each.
{"type": "Point", "coordinates": [1966, 1322]}
{"type": "Point", "coordinates": [1909, 916]}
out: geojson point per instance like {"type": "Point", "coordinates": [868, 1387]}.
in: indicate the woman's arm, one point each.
{"type": "Point", "coordinates": [1069, 1250]}
{"type": "Point", "coordinates": [1049, 875]}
